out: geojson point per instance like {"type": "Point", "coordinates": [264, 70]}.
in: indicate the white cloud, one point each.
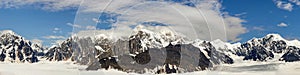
{"type": "Point", "coordinates": [287, 4]}
{"type": "Point", "coordinates": [54, 37]}
{"type": "Point", "coordinates": [90, 27]}
{"type": "Point", "coordinates": [297, 2]}
{"type": "Point", "coordinates": [240, 14]}
{"type": "Point", "coordinates": [96, 20]}
{"type": "Point", "coordinates": [74, 25]}
{"type": "Point", "coordinates": [57, 30]}
{"type": "Point", "coordinates": [57, 42]}
{"type": "Point", "coordinates": [258, 28]}
{"type": "Point", "coordinates": [51, 5]}
{"type": "Point", "coordinates": [282, 24]}
{"type": "Point", "coordinates": [206, 21]}
{"type": "Point", "coordinates": [37, 41]}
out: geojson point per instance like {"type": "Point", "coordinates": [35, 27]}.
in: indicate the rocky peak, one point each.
{"type": "Point", "coordinates": [14, 48]}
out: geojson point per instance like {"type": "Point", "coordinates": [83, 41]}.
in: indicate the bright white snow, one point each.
{"type": "Point", "coordinates": [67, 68]}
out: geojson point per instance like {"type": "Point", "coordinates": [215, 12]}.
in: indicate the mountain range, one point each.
{"type": "Point", "coordinates": [147, 51]}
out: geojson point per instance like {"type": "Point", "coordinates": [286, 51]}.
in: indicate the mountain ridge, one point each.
{"type": "Point", "coordinates": [100, 52]}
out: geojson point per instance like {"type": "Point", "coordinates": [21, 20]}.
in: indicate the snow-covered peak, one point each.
{"type": "Point", "coordinates": [156, 39]}
{"type": "Point", "coordinates": [7, 32]}
{"type": "Point", "coordinates": [294, 43]}
{"type": "Point", "coordinates": [138, 28]}
{"type": "Point", "coordinates": [101, 37]}
{"type": "Point", "coordinates": [219, 43]}
{"type": "Point", "coordinates": [274, 37]}
{"type": "Point", "coordinates": [14, 48]}
{"type": "Point", "coordinates": [268, 39]}
{"type": "Point", "coordinates": [225, 45]}
{"type": "Point", "coordinates": [53, 46]}
{"type": "Point", "coordinates": [277, 37]}
{"type": "Point", "coordinates": [168, 34]}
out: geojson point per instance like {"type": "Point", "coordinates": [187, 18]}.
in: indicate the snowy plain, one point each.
{"type": "Point", "coordinates": [68, 68]}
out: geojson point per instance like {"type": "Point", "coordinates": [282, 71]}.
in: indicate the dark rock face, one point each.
{"type": "Point", "coordinates": [106, 46]}
{"type": "Point", "coordinates": [261, 49]}
{"type": "Point", "coordinates": [216, 56]}
{"type": "Point", "coordinates": [142, 58]}
{"type": "Point", "coordinates": [173, 54]}
{"type": "Point", "coordinates": [142, 55]}
{"type": "Point", "coordinates": [207, 58]}
{"type": "Point", "coordinates": [135, 44]}
{"type": "Point", "coordinates": [278, 46]}
{"type": "Point", "coordinates": [81, 51]}
{"type": "Point", "coordinates": [105, 55]}
{"type": "Point", "coordinates": [168, 68]}
{"type": "Point", "coordinates": [84, 51]}
{"type": "Point", "coordinates": [293, 54]}
{"type": "Point", "coordinates": [109, 62]}
{"type": "Point", "coordinates": [64, 52]}
{"type": "Point", "coordinates": [259, 53]}
{"type": "Point", "coordinates": [2, 55]}
{"type": "Point", "coordinates": [15, 48]}
{"type": "Point", "coordinates": [173, 59]}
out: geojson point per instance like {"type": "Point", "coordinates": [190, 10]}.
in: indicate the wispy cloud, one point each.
{"type": "Point", "coordinates": [259, 28]}
{"type": "Point", "coordinates": [240, 14]}
{"type": "Point", "coordinates": [95, 20]}
{"type": "Point", "coordinates": [37, 41]}
{"type": "Point", "coordinates": [50, 5]}
{"type": "Point", "coordinates": [287, 4]}
{"type": "Point", "coordinates": [205, 18]}
{"type": "Point", "coordinates": [90, 27]}
{"type": "Point", "coordinates": [297, 2]}
{"type": "Point", "coordinates": [54, 37]}
{"type": "Point", "coordinates": [57, 42]}
{"type": "Point", "coordinates": [282, 24]}
{"type": "Point", "coordinates": [57, 30]}
{"type": "Point", "coordinates": [74, 25]}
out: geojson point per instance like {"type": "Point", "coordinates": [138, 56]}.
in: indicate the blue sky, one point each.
{"type": "Point", "coordinates": [35, 22]}
{"type": "Point", "coordinates": [263, 17]}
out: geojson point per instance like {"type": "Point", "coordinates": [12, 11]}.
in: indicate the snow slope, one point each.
{"type": "Point", "coordinates": [67, 68]}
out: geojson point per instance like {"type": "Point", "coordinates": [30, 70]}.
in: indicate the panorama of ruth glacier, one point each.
{"type": "Point", "coordinates": [153, 53]}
